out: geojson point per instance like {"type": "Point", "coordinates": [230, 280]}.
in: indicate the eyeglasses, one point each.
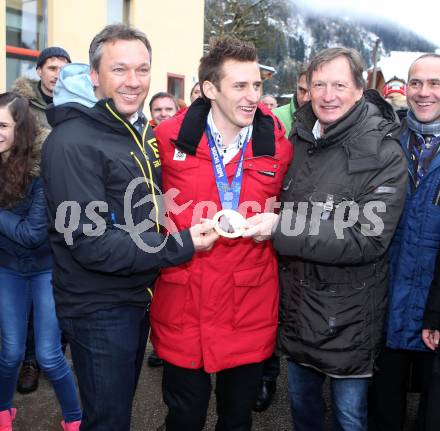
{"type": "Point", "coordinates": [417, 84]}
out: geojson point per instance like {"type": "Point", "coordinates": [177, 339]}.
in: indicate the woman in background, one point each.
{"type": "Point", "coordinates": [26, 265]}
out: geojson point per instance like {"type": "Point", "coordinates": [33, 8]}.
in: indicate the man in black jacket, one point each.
{"type": "Point", "coordinates": [342, 199]}
{"type": "Point", "coordinates": [101, 171]}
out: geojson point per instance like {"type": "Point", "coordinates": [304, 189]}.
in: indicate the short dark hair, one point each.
{"type": "Point", "coordinates": [427, 55]}
{"type": "Point", "coordinates": [222, 49]}
{"type": "Point", "coordinates": [113, 33]}
{"type": "Point", "coordinates": [354, 61]}
{"type": "Point", "coordinates": [163, 95]}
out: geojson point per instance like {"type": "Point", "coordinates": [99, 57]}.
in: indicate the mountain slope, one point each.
{"type": "Point", "coordinates": [287, 34]}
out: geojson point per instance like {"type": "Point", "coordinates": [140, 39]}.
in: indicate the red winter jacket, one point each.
{"type": "Point", "coordinates": [220, 310]}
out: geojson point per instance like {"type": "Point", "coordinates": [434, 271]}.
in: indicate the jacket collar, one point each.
{"type": "Point", "coordinates": [370, 114]}
{"type": "Point", "coordinates": [194, 122]}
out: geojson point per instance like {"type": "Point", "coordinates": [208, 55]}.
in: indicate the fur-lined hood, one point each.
{"type": "Point", "coordinates": [28, 88]}
{"type": "Point", "coordinates": [42, 134]}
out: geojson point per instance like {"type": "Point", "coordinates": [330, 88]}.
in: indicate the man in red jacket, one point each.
{"type": "Point", "coordinates": [219, 312]}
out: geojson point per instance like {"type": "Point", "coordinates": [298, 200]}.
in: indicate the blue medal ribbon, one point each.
{"type": "Point", "coordinates": [229, 193]}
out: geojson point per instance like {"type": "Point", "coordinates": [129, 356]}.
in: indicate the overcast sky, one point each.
{"type": "Point", "coordinates": [421, 16]}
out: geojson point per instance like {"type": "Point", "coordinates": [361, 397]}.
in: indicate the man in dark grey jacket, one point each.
{"type": "Point", "coordinates": [342, 199]}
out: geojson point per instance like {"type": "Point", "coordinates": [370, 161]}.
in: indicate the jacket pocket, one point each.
{"type": "Point", "coordinates": [170, 297]}
{"type": "Point", "coordinates": [255, 297]}
{"type": "Point", "coordinates": [333, 316]}
{"type": "Point", "coordinates": [261, 183]}
{"type": "Point", "coordinates": [264, 170]}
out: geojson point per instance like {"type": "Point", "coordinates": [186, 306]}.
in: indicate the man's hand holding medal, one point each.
{"type": "Point", "coordinates": [228, 222]}
{"type": "Point", "coordinates": [231, 224]}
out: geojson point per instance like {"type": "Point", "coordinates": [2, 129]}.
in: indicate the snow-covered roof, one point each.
{"type": "Point", "coordinates": [397, 64]}
{"type": "Point", "coordinates": [266, 72]}
{"type": "Point", "coordinates": [268, 68]}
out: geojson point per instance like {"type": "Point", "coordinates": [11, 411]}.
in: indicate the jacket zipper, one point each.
{"type": "Point", "coordinates": [142, 149]}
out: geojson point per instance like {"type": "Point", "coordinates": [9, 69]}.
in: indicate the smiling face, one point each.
{"type": "Point", "coordinates": [162, 108]}
{"type": "Point", "coordinates": [49, 73]}
{"type": "Point", "coordinates": [333, 91]}
{"type": "Point", "coordinates": [423, 92]}
{"type": "Point", "coordinates": [235, 100]}
{"type": "Point", "coordinates": [123, 75]}
{"type": "Point", "coordinates": [7, 130]}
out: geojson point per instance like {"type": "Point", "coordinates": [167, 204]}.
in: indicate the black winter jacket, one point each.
{"type": "Point", "coordinates": [334, 279]}
{"type": "Point", "coordinates": [89, 161]}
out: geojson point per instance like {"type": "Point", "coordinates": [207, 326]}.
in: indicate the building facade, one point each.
{"type": "Point", "coordinates": [174, 28]}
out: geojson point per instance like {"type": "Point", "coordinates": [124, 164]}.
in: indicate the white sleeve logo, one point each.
{"type": "Point", "coordinates": [179, 155]}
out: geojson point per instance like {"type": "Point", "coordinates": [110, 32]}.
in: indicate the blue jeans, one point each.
{"type": "Point", "coordinates": [17, 293]}
{"type": "Point", "coordinates": [349, 400]}
{"type": "Point", "coordinates": [108, 348]}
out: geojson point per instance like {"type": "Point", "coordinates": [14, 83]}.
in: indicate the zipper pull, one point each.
{"type": "Point", "coordinates": [328, 207]}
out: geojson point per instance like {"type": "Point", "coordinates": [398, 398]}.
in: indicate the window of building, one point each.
{"type": "Point", "coordinates": [176, 85]}
{"type": "Point", "coordinates": [118, 11]}
{"type": "Point", "coordinates": [25, 36]}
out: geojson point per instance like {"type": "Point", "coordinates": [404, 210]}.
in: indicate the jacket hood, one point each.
{"type": "Point", "coordinates": [100, 113]}
{"type": "Point", "coordinates": [28, 88]}
{"type": "Point", "coordinates": [191, 125]}
{"type": "Point", "coordinates": [74, 86]}
{"type": "Point", "coordinates": [74, 97]}
{"type": "Point", "coordinates": [43, 133]}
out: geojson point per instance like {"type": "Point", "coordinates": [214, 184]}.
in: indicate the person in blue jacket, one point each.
{"type": "Point", "coordinates": [412, 253]}
{"type": "Point", "coordinates": [26, 265]}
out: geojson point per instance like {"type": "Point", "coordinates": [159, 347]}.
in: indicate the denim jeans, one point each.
{"type": "Point", "coordinates": [349, 400]}
{"type": "Point", "coordinates": [17, 293]}
{"type": "Point", "coordinates": [108, 348]}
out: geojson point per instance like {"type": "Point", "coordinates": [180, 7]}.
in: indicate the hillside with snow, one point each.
{"type": "Point", "coordinates": [287, 34]}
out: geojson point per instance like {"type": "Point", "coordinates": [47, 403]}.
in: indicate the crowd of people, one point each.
{"type": "Point", "coordinates": [233, 232]}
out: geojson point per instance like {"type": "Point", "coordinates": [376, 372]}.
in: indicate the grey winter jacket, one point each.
{"type": "Point", "coordinates": [348, 190]}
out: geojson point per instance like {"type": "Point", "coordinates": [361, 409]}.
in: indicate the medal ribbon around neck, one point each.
{"type": "Point", "coordinates": [229, 194]}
